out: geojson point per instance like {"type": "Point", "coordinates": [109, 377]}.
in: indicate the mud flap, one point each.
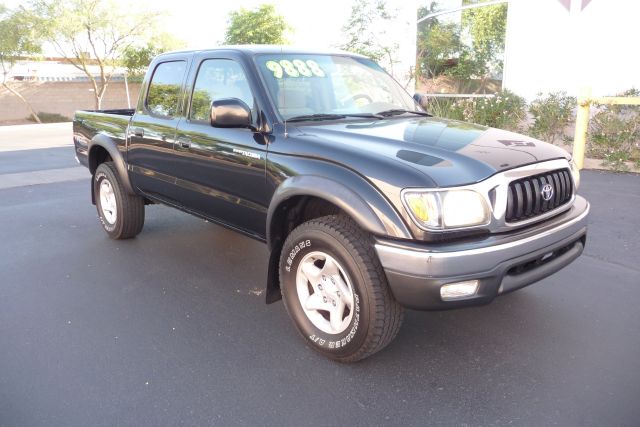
{"type": "Point", "coordinates": [273, 293]}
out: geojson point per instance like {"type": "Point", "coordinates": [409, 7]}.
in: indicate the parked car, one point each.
{"type": "Point", "coordinates": [366, 202]}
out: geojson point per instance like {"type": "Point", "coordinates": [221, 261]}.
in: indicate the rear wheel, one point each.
{"type": "Point", "coordinates": [335, 290]}
{"type": "Point", "coordinates": [121, 213]}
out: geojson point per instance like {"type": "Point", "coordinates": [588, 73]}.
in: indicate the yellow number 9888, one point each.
{"type": "Point", "coordinates": [294, 68]}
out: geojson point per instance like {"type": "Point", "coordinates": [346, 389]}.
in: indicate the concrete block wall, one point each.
{"type": "Point", "coordinates": [62, 98]}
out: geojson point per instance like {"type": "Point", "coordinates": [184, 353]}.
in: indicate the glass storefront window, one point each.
{"type": "Point", "coordinates": [461, 51]}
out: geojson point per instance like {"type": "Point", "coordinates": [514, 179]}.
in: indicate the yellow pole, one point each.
{"type": "Point", "coordinates": [616, 100]}
{"type": "Point", "coordinates": [582, 126]}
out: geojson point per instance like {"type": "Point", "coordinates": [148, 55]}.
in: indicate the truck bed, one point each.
{"type": "Point", "coordinates": [90, 124]}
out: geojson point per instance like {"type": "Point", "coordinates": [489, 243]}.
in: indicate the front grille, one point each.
{"type": "Point", "coordinates": [525, 196]}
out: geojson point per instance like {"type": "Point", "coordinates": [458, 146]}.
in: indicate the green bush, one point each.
{"type": "Point", "coordinates": [614, 130]}
{"type": "Point", "coordinates": [551, 115]}
{"type": "Point", "coordinates": [614, 134]}
{"type": "Point", "coordinates": [447, 108]}
{"type": "Point", "coordinates": [505, 110]}
{"type": "Point", "coordinates": [50, 118]}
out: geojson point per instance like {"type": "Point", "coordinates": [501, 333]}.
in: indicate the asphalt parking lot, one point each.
{"type": "Point", "coordinates": [171, 328]}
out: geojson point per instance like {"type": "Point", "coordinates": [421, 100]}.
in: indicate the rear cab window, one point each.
{"type": "Point", "coordinates": [165, 89]}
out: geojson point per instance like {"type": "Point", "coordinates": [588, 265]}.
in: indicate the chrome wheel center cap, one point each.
{"type": "Point", "coordinates": [325, 292]}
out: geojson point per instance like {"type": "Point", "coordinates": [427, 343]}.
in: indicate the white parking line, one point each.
{"type": "Point", "coordinates": [50, 176]}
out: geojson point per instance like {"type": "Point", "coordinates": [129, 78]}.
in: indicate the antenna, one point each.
{"type": "Point", "coordinates": [284, 95]}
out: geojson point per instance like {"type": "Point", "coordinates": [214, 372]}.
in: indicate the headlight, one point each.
{"type": "Point", "coordinates": [442, 210]}
{"type": "Point", "coordinates": [575, 173]}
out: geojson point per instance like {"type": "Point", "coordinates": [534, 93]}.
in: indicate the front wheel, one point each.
{"type": "Point", "coordinates": [121, 213]}
{"type": "Point", "coordinates": [335, 290]}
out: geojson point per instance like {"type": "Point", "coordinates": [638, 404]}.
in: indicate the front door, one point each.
{"type": "Point", "coordinates": [221, 171]}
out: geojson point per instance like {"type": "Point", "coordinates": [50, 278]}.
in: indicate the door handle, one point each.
{"type": "Point", "coordinates": [184, 142]}
{"type": "Point", "coordinates": [139, 132]}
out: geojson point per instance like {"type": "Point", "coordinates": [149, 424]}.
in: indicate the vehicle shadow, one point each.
{"type": "Point", "coordinates": [445, 340]}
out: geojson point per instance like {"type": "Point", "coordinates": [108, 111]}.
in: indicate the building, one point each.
{"type": "Point", "coordinates": [559, 45]}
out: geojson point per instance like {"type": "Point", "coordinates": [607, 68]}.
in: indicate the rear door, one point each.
{"type": "Point", "coordinates": [222, 171]}
{"type": "Point", "coordinates": [153, 128]}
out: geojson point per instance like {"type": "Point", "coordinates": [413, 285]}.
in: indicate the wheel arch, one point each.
{"type": "Point", "coordinates": [99, 148]}
{"type": "Point", "coordinates": [301, 198]}
{"type": "Point", "coordinates": [363, 203]}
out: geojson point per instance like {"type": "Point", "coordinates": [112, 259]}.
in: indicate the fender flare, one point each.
{"type": "Point", "coordinates": [362, 202]}
{"type": "Point", "coordinates": [370, 209]}
{"type": "Point", "coordinates": [118, 160]}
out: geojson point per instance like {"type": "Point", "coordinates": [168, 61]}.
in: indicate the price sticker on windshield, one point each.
{"type": "Point", "coordinates": [295, 68]}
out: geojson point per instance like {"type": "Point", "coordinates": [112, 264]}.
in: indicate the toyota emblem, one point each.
{"type": "Point", "coordinates": [547, 192]}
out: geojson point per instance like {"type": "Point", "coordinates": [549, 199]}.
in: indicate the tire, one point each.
{"type": "Point", "coordinates": [335, 290]}
{"type": "Point", "coordinates": [121, 213]}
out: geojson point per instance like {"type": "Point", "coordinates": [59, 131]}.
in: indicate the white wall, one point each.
{"type": "Point", "coordinates": [550, 48]}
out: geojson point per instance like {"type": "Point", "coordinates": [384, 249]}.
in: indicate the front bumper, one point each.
{"type": "Point", "coordinates": [500, 263]}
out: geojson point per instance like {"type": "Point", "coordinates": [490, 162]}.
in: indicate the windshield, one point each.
{"type": "Point", "coordinates": [302, 85]}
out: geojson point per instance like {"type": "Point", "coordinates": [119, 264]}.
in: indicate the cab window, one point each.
{"type": "Point", "coordinates": [218, 79]}
{"type": "Point", "coordinates": [163, 97]}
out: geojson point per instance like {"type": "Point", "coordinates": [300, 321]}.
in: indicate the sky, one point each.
{"type": "Point", "coordinates": [315, 24]}
{"type": "Point", "coordinates": [201, 24]}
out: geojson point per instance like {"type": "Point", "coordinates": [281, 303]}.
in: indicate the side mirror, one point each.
{"type": "Point", "coordinates": [420, 99]}
{"type": "Point", "coordinates": [230, 113]}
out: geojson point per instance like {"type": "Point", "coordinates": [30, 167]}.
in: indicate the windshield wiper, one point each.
{"type": "Point", "coordinates": [329, 116]}
{"type": "Point", "coordinates": [365, 115]}
{"type": "Point", "coordinates": [398, 111]}
{"type": "Point", "coordinates": [306, 117]}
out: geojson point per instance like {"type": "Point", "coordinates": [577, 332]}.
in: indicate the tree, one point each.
{"type": "Point", "coordinates": [18, 37]}
{"type": "Point", "coordinates": [92, 32]}
{"type": "Point", "coordinates": [366, 33]}
{"type": "Point", "coordinates": [260, 26]}
{"type": "Point", "coordinates": [136, 58]}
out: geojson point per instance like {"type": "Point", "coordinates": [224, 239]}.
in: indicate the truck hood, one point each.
{"type": "Point", "coordinates": [447, 151]}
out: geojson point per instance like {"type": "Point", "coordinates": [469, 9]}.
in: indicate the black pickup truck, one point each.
{"type": "Point", "coordinates": [366, 202]}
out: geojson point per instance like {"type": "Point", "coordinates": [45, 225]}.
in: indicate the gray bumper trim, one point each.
{"type": "Point", "coordinates": [441, 264]}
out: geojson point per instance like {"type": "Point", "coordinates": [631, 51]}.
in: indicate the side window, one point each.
{"type": "Point", "coordinates": [163, 97]}
{"type": "Point", "coordinates": [218, 79]}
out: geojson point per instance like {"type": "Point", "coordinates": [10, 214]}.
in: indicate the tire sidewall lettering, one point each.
{"type": "Point", "coordinates": [100, 175]}
{"type": "Point", "coordinates": [337, 343]}
{"type": "Point", "coordinates": [294, 252]}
